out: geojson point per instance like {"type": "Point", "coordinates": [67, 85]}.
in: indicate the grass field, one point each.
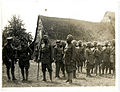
{"type": "Point", "coordinates": [81, 80]}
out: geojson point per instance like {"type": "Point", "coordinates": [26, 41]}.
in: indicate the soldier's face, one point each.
{"type": "Point", "coordinates": [58, 44]}
{"type": "Point", "coordinates": [80, 44]}
{"type": "Point", "coordinates": [10, 41]}
{"type": "Point", "coordinates": [68, 40]}
{"type": "Point", "coordinates": [45, 41]}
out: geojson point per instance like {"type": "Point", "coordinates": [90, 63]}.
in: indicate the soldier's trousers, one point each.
{"type": "Point", "coordinates": [70, 76]}
{"type": "Point", "coordinates": [10, 65]}
{"type": "Point", "coordinates": [89, 66]}
{"type": "Point", "coordinates": [105, 65]}
{"type": "Point", "coordinates": [112, 67]}
{"type": "Point", "coordinates": [59, 66]}
{"type": "Point", "coordinates": [97, 68]}
{"type": "Point", "coordinates": [49, 67]}
{"type": "Point", "coordinates": [24, 65]}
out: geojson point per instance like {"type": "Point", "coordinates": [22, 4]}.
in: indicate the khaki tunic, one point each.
{"type": "Point", "coordinates": [90, 56]}
{"type": "Point", "coordinates": [69, 57]}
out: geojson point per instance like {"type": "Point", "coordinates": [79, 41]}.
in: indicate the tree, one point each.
{"type": "Point", "coordinates": [16, 30]}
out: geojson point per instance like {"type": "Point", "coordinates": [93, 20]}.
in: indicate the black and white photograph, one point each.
{"type": "Point", "coordinates": [58, 43]}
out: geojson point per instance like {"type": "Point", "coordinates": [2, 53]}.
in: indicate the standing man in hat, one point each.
{"type": "Point", "coordinates": [69, 58]}
{"type": "Point", "coordinates": [112, 57]}
{"type": "Point", "coordinates": [106, 58]}
{"type": "Point", "coordinates": [46, 57]}
{"type": "Point", "coordinates": [24, 55]}
{"type": "Point", "coordinates": [58, 56]}
{"type": "Point", "coordinates": [90, 59]}
{"type": "Point", "coordinates": [81, 56]}
{"type": "Point", "coordinates": [8, 58]}
{"type": "Point", "coordinates": [74, 42]}
{"type": "Point", "coordinates": [98, 59]}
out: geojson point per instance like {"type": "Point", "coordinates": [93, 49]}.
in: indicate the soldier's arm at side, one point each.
{"type": "Point", "coordinates": [86, 55]}
{"type": "Point", "coordinates": [73, 53]}
{"type": "Point", "coordinates": [51, 53]}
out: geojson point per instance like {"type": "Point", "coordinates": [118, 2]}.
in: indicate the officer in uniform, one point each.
{"type": "Point", "coordinates": [24, 55]}
{"type": "Point", "coordinates": [63, 44]}
{"type": "Point", "coordinates": [69, 58]}
{"type": "Point", "coordinates": [9, 58]}
{"type": "Point", "coordinates": [46, 57]}
{"type": "Point", "coordinates": [112, 57]}
{"type": "Point", "coordinates": [84, 49]}
{"type": "Point", "coordinates": [90, 59]}
{"type": "Point", "coordinates": [98, 59]}
{"type": "Point", "coordinates": [106, 58]}
{"type": "Point", "coordinates": [74, 42]}
{"type": "Point", "coordinates": [81, 56]}
{"type": "Point", "coordinates": [58, 56]}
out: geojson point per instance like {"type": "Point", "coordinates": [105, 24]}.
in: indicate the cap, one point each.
{"type": "Point", "coordinates": [58, 41]}
{"type": "Point", "coordinates": [9, 38]}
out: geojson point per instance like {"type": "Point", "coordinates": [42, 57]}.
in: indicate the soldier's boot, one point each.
{"type": "Point", "coordinates": [8, 73]}
{"type": "Point", "coordinates": [44, 76]}
{"type": "Point", "coordinates": [74, 74]}
{"type": "Point", "coordinates": [96, 70]}
{"type": "Point", "coordinates": [13, 75]}
{"type": "Point", "coordinates": [81, 69]}
{"type": "Point", "coordinates": [106, 70]}
{"type": "Point", "coordinates": [84, 63]}
{"type": "Point", "coordinates": [99, 71]}
{"type": "Point", "coordinates": [70, 78]}
{"type": "Point", "coordinates": [57, 70]}
{"type": "Point", "coordinates": [22, 72]}
{"type": "Point", "coordinates": [50, 74]}
{"type": "Point", "coordinates": [27, 72]}
{"type": "Point", "coordinates": [103, 71]}
{"type": "Point", "coordinates": [63, 73]}
{"type": "Point", "coordinates": [92, 71]}
{"type": "Point", "coordinates": [110, 70]}
{"type": "Point", "coordinates": [88, 73]}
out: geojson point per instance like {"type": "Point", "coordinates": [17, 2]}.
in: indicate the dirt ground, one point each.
{"type": "Point", "coordinates": [81, 80]}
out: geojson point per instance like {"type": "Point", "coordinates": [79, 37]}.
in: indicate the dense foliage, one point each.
{"type": "Point", "coordinates": [16, 29]}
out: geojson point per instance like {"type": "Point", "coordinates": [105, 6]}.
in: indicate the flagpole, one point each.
{"type": "Point", "coordinates": [38, 40]}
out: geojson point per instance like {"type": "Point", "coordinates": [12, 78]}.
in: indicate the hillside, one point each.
{"type": "Point", "coordinates": [59, 28]}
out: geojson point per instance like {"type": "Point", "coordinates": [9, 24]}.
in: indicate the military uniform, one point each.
{"type": "Point", "coordinates": [58, 56]}
{"type": "Point", "coordinates": [24, 55]}
{"type": "Point", "coordinates": [112, 58]}
{"type": "Point", "coordinates": [106, 59]}
{"type": "Point", "coordinates": [9, 58]}
{"type": "Point", "coordinates": [75, 59]}
{"type": "Point", "coordinates": [80, 56]}
{"type": "Point", "coordinates": [98, 59]}
{"type": "Point", "coordinates": [90, 59]}
{"type": "Point", "coordinates": [84, 56]}
{"type": "Point", "coordinates": [69, 58]}
{"type": "Point", "coordinates": [46, 58]}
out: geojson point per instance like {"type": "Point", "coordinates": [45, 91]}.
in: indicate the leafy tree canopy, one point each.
{"type": "Point", "coordinates": [16, 29]}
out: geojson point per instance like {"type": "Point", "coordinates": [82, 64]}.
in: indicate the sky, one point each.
{"type": "Point", "coordinates": [28, 10]}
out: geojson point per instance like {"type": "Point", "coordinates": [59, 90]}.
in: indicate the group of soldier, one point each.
{"type": "Point", "coordinates": [69, 56]}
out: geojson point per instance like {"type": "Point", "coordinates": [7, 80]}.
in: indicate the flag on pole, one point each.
{"type": "Point", "coordinates": [37, 43]}
{"type": "Point", "coordinates": [38, 39]}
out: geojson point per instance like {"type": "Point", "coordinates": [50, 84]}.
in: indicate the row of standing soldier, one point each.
{"type": "Point", "coordinates": [95, 57]}
{"type": "Point", "coordinates": [66, 56]}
